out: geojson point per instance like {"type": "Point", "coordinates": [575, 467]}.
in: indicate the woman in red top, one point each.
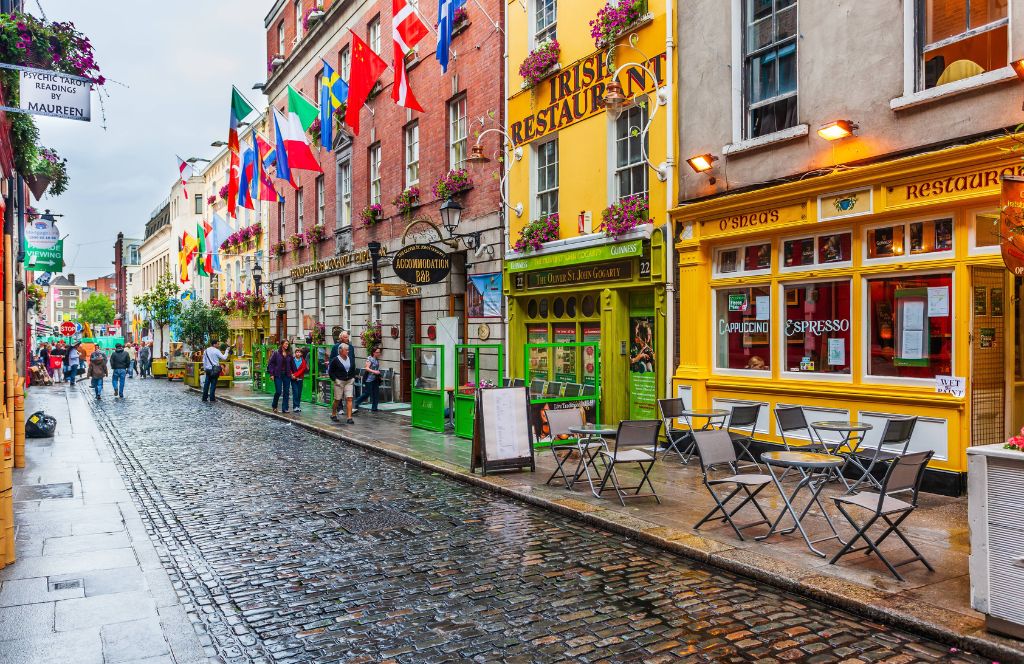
{"type": "Point", "coordinates": [300, 367]}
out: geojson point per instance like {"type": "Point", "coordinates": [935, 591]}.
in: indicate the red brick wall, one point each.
{"type": "Point", "coordinates": [479, 72]}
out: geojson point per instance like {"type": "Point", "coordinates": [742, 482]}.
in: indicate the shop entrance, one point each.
{"type": "Point", "coordinates": [282, 326]}
{"type": "Point", "coordinates": [988, 356]}
{"type": "Point", "coordinates": [410, 336]}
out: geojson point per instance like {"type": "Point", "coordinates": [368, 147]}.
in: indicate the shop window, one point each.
{"type": "Point", "coordinates": [570, 307]}
{"type": "Point", "coordinates": [960, 39]}
{"type": "Point", "coordinates": [986, 232]}
{"type": "Point", "coordinates": [742, 328]}
{"type": "Point", "coordinates": [736, 261]}
{"type": "Point", "coordinates": [817, 327]}
{"type": "Point", "coordinates": [910, 326]}
{"type": "Point", "coordinates": [769, 50]}
{"type": "Point", "coordinates": [558, 308]}
{"type": "Point", "coordinates": [587, 306]}
{"type": "Point", "coordinates": [916, 238]}
{"type": "Point", "coordinates": [531, 308]}
{"type": "Point", "coordinates": [827, 249]}
{"type": "Point", "coordinates": [542, 310]}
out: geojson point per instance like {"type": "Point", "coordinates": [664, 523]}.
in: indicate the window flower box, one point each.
{"type": "Point", "coordinates": [372, 214]}
{"type": "Point", "coordinates": [540, 63]}
{"type": "Point", "coordinates": [280, 249]}
{"type": "Point", "coordinates": [624, 215]}
{"type": "Point", "coordinates": [296, 241]}
{"type": "Point", "coordinates": [615, 19]}
{"type": "Point", "coordinates": [211, 200]}
{"type": "Point", "coordinates": [316, 234]}
{"type": "Point", "coordinates": [452, 183]}
{"type": "Point", "coordinates": [407, 201]}
{"type": "Point", "coordinates": [311, 17]}
{"type": "Point", "coordinates": [223, 193]}
{"type": "Point", "coordinates": [274, 62]}
{"type": "Point", "coordinates": [536, 233]}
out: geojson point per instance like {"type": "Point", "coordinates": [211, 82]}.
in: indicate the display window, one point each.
{"type": "Point", "coordinates": [743, 328]}
{"type": "Point", "coordinates": [743, 260]}
{"type": "Point", "coordinates": [817, 327]}
{"type": "Point", "coordinates": [828, 249]}
{"type": "Point", "coordinates": [910, 326]}
{"type": "Point", "coordinates": [985, 232]}
{"type": "Point", "coordinates": [909, 239]}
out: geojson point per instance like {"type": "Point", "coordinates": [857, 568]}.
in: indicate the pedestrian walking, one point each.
{"type": "Point", "coordinates": [343, 339]}
{"type": "Point", "coordinates": [300, 367]}
{"type": "Point", "coordinates": [145, 360]}
{"type": "Point", "coordinates": [342, 371]}
{"type": "Point", "coordinates": [97, 371]}
{"type": "Point", "coordinates": [120, 362]}
{"type": "Point", "coordinates": [212, 357]}
{"type": "Point", "coordinates": [57, 356]}
{"type": "Point", "coordinates": [72, 360]}
{"type": "Point", "coordinates": [44, 359]}
{"type": "Point", "coordinates": [280, 368]}
{"type": "Point", "coordinates": [130, 349]}
{"type": "Point", "coordinates": [371, 382]}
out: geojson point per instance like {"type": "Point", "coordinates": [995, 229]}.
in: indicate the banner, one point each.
{"type": "Point", "coordinates": [39, 259]}
{"type": "Point", "coordinates": [642, 369]}
{"type": "Point", "coordinates": [51, 93]}
{"type": "Point", "coordinates": [484, 295]}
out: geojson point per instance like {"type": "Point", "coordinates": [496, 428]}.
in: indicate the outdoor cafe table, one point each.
{"type": "Point", "coordinates": [815, 470]}
{"type": "Point", "coordinates": [852, 433]}
{"type": "Point", "coordinates": [588, 458]}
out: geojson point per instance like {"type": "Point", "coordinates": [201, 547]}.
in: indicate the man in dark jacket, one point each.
{"type": "Point", "coordinates": [120, 362]}
{"type": "Point", "coordinates": [342, 371]}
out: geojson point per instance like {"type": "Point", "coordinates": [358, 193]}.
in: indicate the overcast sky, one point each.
{"type": "Point", "coordinates": [177, 62]}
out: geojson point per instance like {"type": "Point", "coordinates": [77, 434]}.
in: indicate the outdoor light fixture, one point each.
{"type": "Point", "coordinates": [451, 215]}
{"type": "Point", "coordinates": [477, 156]}
{"type": "Point", "coordinates": [1018, 68]}
{"type": "Point", "coordinates": [374, 249]}
{"type": "Point", "coordinates": [702, 162]}
{"type": "Point", "coordinates": [257, 276]}
{"type": "Point", "coordinates": [837, 129]}
{"type": "Point", "coordinates": [218, 144]}
{"type": "Point", "coordinates": [193, 160]}
{"type": "Point", "coordinates": [614, 97]}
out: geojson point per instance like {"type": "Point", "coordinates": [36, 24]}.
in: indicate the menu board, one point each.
{"type": "Point", "coordinates": [912, 327]}
{"type": "Point", "coordinates": [502, 437]}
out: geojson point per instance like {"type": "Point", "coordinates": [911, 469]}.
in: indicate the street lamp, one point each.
{"type": "Point", "coordinates": [257, 276]}
{"type": "Point", "coordinates": [451, 215]}
{"type": "Point", "coordinates": [193, 160]}
{"type": "Point", "coordinates": [218, 144]}
{"type": "Point", "coordinates": [374, 249]}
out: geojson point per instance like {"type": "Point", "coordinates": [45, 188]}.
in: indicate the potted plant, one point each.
{"type": "Point", "coordinates": [461, 20]}
{"type": "Point", "coordinates": [615, 18]}
{"type": "Point", "coordinates": [316, 234]}
{"type": "Point", "coordinates": [223, 193]}
{"type": "Point", "coordinates": [624, 215]}
{"type": "Point", "coordinates": [311, 17]}
{"type": "Point", "coordinates": [274, 62]}
{"type": "Point", "coordinates": [407, 201]}
{"type": "Point", "coordinates": [536, 233]}
{"type": "Point", "coordinates": [295, 241]}
{"type": "Point", "coordinates": [451, 183]}
{"type": "Point", "coordinates": [539, 63]}
{"type": "Point", "coordinates": [49, 172]}
{"type": "Point", "coordinates": [280, 249]}
{"type": "Point", "coordinates": [372, 214]}
{"type": "Point", "coordinates": [211, 200]}
{"type": "Point", "coordinates": [372, 336]}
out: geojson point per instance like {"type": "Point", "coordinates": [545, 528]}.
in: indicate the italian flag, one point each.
{"type": "Point", "coordinates": [292, 128]}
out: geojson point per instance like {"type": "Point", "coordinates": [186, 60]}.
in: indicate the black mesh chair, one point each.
{"type": "Point", "coordinates": [635, 442]}
{"type": "Point", "coordinates": [536, 388]}
{"type": "Point", "coordinates": [564, 445]}
{"type": "Point", "coordinates": [790, 420]}
{"type": "Point", "coordinates": [715, 449]}
{"type": "Point", "coordinates": [904, 474]}
{"type": "Point", "coordinates": [743, 418]}
{"type": "Point", "coordinates": [680, 441]}
{"type": "Point", "coordinates": [896, 437]}
{"type": "Point", "coordinates": [518, 382]}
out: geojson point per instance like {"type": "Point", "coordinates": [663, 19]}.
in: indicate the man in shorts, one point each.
{"type": "Point", "coordinates": [342, 371]}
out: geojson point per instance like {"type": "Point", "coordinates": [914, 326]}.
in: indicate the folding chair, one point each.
{"type": "Point", "coordinates": [790, 419]}
{"type": "Point", "coordinates": [518, 382]}
{"type": "Point", "coordinates": [559, 423]}
{"type": "Point", "coordinates": [904, 474]}
{"type": "Point", "coordinates": [743, 417]}
{"type": "Point", "coordinates": [671, 410]}
{"type": "Point", "coordinates": [632, 435]}
{"type": "Point", "coordinates": [897, 434]}
{"type": "Point", "coordinates": [506, 382]}
{"type": "Point", "coordinates": [715, 448]}
{"type": "Point", "coordinates": [537, 388]}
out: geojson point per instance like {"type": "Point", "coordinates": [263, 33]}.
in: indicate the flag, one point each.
{"type": "Point", "coordinates": [208, 256]}
{"type": "Point", "coordinates": [406, 31]}
{"type": "Point", "coordinates": [293, 151]}
{"type": "Point", "coordinates": [187, 250]}
{"type": "Point", "coordinates": [182, 165]}
{"type": "Point", "coordinates": [219, 232]}
{"type": "Point", "coordinates": [445, 21]}
{"type": "Point", "coordinates": [333, 93]}
{"type": "Point", "coordinates": [265, 153]}
{"type": "Point", "coordinates": [302, 108]}
{"type": "Point", "coordinates": [247, 179]}
{"type": "Point", "coordinates": [201, 252]}
{"type": "Point", "coordinates": [240, 108]}
{"type": "Point", "coordinates": [366, 69]}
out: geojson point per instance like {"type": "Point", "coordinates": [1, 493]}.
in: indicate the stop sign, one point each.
{"type": "Point", "coordinates": [67, 328]}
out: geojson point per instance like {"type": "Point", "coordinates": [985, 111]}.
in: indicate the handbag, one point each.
{"type": "Point", "coordinates": [215, 371]}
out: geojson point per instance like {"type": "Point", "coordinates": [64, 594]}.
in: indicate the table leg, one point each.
{"type": "Point", "coordinates": [786, 501]}
{"type": "Point", "coordinates": [816, 488]}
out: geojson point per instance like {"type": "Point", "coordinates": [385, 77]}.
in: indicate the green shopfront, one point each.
{"type": "Point", "coordinates": [591, 321]}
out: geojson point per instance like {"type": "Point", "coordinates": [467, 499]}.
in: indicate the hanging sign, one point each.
{"type": "Point", "coordinates": [45, 260]}
{"type": "Point", "coordinates": [1011, 224]}
{"type": "Point", "coordinates": [41, 233]}
{"type": "Point", "coordinates": [421, 264]}
{"type": "Point", "coordinates": [51, 93]}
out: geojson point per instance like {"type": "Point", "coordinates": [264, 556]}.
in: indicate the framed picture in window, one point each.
{"type": "Point", "coordinates": [980, 301]}
{"type": "Point", "coordinates": [917, 237]}
{"type": "Point", "coordinates": [727, 260]}
{"type": "Point", "coordinates": [791, 298]}
{"type": "Point", "coordinates": [834, 248]}
{"type": "Point", "coordinates": [944, 235]}
{"type": "Point", "coordinates": [758, 257]}
{"type": "Point", "coordinates": [995, 299]}
{"type": "Point", "coordinates": [885, 242]}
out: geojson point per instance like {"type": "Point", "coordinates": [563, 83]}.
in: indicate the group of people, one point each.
{"type": "Point", "coordinates": [289, 367]}
{"type": "Point", "coordinates": [121, 365]}
{"type": "Point", "coordinates": [63, 362]}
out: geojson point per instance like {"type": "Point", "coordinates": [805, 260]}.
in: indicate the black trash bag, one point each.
{"type": "Point", "coordinates": [40, 425]}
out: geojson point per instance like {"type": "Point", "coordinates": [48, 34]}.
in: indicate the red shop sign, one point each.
{"type": "Point", "coordinates": [1011, 224]}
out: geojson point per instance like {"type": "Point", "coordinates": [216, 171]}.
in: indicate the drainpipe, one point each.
{"type": "Point", "coordinates": [670, 199]}
{"type": "Point", "coordinates": [506, 233]}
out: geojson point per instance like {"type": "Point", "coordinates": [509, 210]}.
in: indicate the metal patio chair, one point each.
{"type": "Point", "coordinates": [537, 388]}
{"type": "Point", "coordinates": [791, 419]}
{"type": "Point", "coordinates": [896, 436]}
{"type": "Point", "coordinates": [387, 385]}
{"type": "Point", "coordinates": [559, 423]}
{"type": "Point", "coordinates": [715, 449]}
{"type": "Point", "coordinates": [743, 417]}
{"type": "Point", "coordinates": [631, 438]}
{"type": "Point", "coordinates": [904, 474]}
{"type": "Point", "coordinates": [678, 439]}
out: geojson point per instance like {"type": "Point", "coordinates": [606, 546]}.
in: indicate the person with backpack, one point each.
{"type": "Point", "coordinates": [300, 367]}
{"type": "Point", "coordinates": [97, 371]}
{"type": "Point", "coordinates": [279, 367]}
{"type": "Point", "coordinates": [212, 357]}
{"type": "Point", "coordinates": [120, 362]}
{"type": "Point", "coordinates": [342, 371]}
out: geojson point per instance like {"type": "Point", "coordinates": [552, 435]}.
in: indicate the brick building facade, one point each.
{"type": "Point", "coordinates": [412, 149]}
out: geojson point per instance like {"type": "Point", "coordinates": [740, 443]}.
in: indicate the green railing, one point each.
{"type": "Point", "coordinates": [573, 380]}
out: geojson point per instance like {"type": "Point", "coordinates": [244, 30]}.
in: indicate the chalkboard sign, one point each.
{"type": "Point", "coordinates": [502, 437]}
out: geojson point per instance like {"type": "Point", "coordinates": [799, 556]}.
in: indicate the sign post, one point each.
{"type": "Point", "coordinates": [67, 329]}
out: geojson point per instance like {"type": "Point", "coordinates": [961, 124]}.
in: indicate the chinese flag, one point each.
{"type": "Point", "coordinates": [367, 67]}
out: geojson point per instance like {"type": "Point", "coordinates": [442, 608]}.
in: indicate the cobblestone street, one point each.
{"type": "Point", "coordinates": [286, 546]}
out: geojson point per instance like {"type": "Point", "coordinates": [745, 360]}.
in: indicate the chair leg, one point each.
{"type": "Point", "coordinates": [615, 483]}
{"type": "Point", "coordinates": [559, 469]}
{"type": "Point", "coordinates": [893, 527]}
{"type": "Point", "coordinates": [862, 533]}
{"type": "Point", "coordinates": [720, 507]}
{"type": "Point", "coordinates": [647, 478]}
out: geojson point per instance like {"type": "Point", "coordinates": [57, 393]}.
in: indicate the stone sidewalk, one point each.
{"type": "Point", "coordinates": [88, 586]}
{"type": "Point", "coordinates": [936, 604]}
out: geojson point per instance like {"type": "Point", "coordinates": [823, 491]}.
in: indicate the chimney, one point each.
{"type": "Point", "coordinates": [71, 279]}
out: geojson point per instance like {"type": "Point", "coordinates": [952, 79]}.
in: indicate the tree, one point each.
{"type": "Point", "coordinates": [201, 323]}
{"type": "Point", "coordinates": [97, 310]}
{"type": "Point", "coordinates": [161, 304]}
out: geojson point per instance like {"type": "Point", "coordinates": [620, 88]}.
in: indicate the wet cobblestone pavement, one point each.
{"type": "Point", "coordinates": [290, 547]}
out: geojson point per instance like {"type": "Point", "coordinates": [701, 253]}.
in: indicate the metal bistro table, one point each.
{"type": "Point", "coordinates": [589, 453]}
{"type": "Point", "coordinates": [852, 433]}
{"type": "Point", "coordinates": [715, 419]}
{"type": "Point", "coordinates": [815, 470]}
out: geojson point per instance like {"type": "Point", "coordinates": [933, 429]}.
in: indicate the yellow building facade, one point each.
{"type": "Point", "coordinates": [871, 292]}
{"type": "Point", "coordinates": [575, 157]}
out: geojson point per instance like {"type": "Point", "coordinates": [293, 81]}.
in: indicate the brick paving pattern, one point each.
{"type": "Point", "coordinates": [290, 547]}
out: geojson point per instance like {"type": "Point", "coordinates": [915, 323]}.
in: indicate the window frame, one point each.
{"type": "Point", "coordinates": [780, 357]}
{"type": "Point", "coordinates": [536, 193]}
{"type": "Point", "coordinates": [456, 139]}
{"type": "Point", "coordinates": [374, 156]}
{"type": "Point", "coordinates": [345, 62]}
{"type": "Point", "coordinates": [906, 256]}
{"type": "Point", "coordinates": [298, 20]}
{"type": "Point", "coordinates": [346, 301]}
{"type": "Point", "coordinates": [972, 233]}
{"type": "Point", "coordinates": [282, 217]}
{"type": "Point", "coordinates": [816, 236]}
{"type": "Point", "coordinates": [198, 199]}
{"type": "Point", "coordinates": [746, 72]}
{"type": "Point", "coordinates": [345, 193]}
{"type": "Point", "coordinates": [281, 45]}
{"type": "Point", "coordinates": [741, 271]}
{"type": "Point", "coordinates": [300, 212]}
{"type": "Point", "coordinates": [726, 371]}
{"type": "Point", "coordinates": [614, 143]}
{"type": "Point", "coordinates": [411, 143]}
{"type": "Point", "coordinates": [549, 31]}
{"type": "Point", "coordinates": [321, 201]}
{"type": "Point", "coordinates": [373, 36]}
{"type": "Point", "coordinates": [920, 48]}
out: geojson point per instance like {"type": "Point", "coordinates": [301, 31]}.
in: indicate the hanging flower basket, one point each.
{"type": "Point", "coordinates": [536, 233]}
{"type": "Point", "coordinates": [407, 201]}
{"type": "Point", "coordinates": [223, 193]}
{"type": "Point", "coordinates": [539, 63]}
{"type": "Point", "coordinates": [49, 170]}
{"type": "Point", "coordinates": [372, 214]}
{"type": "Point", "coordinates": [624, 215]}
{"type": "Point", "coordinates": [296, 241]}
{"type": "Point", "coordinates": [274, 62]}
{"type": "Point", "coordinates": [372, 336]}
{"type": "Point", "coordinates": [280, 249]}
{"type": "Point", "coordinates": [614, 19]}
{"type": "Point", "coordinates": [452, 183]}
{"type": "Point", "coordinates": [211, 200]}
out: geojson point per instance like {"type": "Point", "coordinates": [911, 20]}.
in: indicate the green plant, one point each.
{"type": "Point", "coordinates": [372, 336]}
{"type": "Point", "coordinates": [51, 165]}
{"type": "Point", "coordinates": [201, 324]}
{"type": "Point", "coordinates": [161, 303]}
{"type": "Point", "coordinates": [536, 233]}
{"type": "Point", "coordinates": [97, 309]}
{"type": "Point", "coordinates": [34, 294]}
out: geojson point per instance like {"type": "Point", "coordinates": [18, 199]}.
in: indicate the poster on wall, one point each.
{"type": "Point", "coordinates": [483, 295]}
{"type": "Point", "coordinates": [538, 334]}
{"type": "Point", "coordinates": [642, 363]}
{"type": "Point", "coordinates": [1011, 222]}
{"type": "Point", "coordinates": [539, 420]}
{"type": "Point", "coordinates": [565, 358]}
{"type": "Point", "coordinates": [591, 333]}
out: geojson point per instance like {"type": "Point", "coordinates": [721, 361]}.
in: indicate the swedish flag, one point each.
{"type": "Point", "coordinates": [333, 93]}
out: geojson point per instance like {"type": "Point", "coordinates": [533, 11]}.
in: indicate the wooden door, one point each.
{"type": "Point", "coordinates": [282, 326]}
{"type": "Point", "coordinates": [410, 331]}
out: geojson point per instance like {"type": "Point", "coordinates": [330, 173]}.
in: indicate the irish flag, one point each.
{"type": "Point", "coordinates": [293, 151]}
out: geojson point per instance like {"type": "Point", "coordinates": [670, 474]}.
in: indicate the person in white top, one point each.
{"type": "Point", "coordinates": [212, 357]}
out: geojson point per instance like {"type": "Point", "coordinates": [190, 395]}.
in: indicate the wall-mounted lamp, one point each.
{"type": "Point", "coordinates": [702, 162]}
{"type": "Point", "coordinates": [837, 129]}
{"type": "Point", "coordinates": [477, 156]}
